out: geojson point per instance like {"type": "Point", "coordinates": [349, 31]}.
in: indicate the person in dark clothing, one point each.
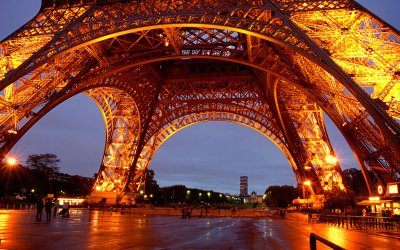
{"type": "Point", "coordinates": [55, 207]}
{"type": "Point", "coordinates": [48, 207]}
{"type": "Point", "coordinates": [39, 209]}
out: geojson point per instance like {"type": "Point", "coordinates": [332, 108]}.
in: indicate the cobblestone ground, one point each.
{"type": "Point", "coordinates": [97, 230]}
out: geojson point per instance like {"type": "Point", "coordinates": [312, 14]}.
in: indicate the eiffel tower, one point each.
{"type": "Point", "coordinates": [154, 67]}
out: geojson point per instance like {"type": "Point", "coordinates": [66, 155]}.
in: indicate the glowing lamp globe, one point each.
{"type": "Point", "coordinates": [11, 161]}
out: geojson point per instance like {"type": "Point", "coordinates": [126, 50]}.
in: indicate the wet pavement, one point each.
{"type": "Point", "coordinates": [97, 230]}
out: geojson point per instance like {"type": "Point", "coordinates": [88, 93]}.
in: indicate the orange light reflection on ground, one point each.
{"type": "Point", "coordinates": [4, 225]}
{"type": "Point", "coordinates": [337, 236]}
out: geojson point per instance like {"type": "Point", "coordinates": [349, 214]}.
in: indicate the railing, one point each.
{"type": "Point", "coordinates": [313, 242]}
{"type": "Point", "coordinates": [361, 222]}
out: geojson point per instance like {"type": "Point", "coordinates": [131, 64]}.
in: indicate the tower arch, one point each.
{"type": "Point", "coordinates": [181, 123]}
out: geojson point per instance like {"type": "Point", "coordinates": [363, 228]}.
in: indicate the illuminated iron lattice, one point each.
{"type": "Point", "coordinates": [155, 67]}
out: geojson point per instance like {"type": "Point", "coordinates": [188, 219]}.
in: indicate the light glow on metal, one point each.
{"type": "Point", "coordinates": [330, 159]}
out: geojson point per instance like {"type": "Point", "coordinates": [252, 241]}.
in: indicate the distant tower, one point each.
{"type": "Point", "coordinates": [243, 186]}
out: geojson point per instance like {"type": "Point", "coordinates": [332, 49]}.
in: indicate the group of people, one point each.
{"type": "Point", "coordinates": [48, 206]}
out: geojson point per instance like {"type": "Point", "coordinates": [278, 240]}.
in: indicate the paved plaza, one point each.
{"type": "Point", "coordinates": [97, 230]}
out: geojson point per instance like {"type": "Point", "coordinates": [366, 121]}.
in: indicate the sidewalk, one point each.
{"type": "Point", "coordinates": [86, 229]}
{"type": "Point", "coordinates": [348, 238]}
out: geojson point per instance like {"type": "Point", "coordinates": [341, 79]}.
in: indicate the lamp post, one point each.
{"type": "Point", "coordinates": [11, 161]}
{"type": "Point", "coordinates": [188, 195]}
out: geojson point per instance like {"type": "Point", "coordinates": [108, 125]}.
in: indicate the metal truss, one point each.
{"type": "Point", "coordinates": [123, 129]}
{"type": "Point", "coordinates": [154, 67]}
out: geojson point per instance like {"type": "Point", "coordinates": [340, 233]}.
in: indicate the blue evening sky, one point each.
{"type": "Point", "coordinates": [209, 156]}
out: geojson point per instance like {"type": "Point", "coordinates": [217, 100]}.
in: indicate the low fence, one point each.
{"type": "Point", "coordinates": [17, 206]}
{"type": "Point", "coordinates": [313, 242]}
{"type": "Point", "coordinates": [361, 222]}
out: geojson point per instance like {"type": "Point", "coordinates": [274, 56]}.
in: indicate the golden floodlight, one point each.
{"type": "Point", "coordinates": [98, 188]}
{"type": "Point", "coordinates": [307, 183]}
{"type": "Point", "coordinates": [331, 159]}
{"type": "Point", "coordinates": [11, 161]}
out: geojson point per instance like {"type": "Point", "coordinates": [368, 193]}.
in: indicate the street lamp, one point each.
{"type": "Point", "coordinates": [11, 161]}
{"type": "Point", "coordinates": [187, 194]}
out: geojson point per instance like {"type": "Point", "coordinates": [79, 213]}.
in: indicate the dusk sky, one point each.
{"type": "Point", "coordinates": [208, 156]}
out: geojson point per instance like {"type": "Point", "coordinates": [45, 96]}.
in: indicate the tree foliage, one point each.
{"type": "Point", "coordinates": [41, 176]}
{"type": "Point", "coordinates": [356, 181]}
{"type": "Point", "coordinates": [338, 198]}
{"type": "Point", "coordinates": [152, 186]}
{"type": "Point", "coordinates": [44, 163]}
{"type": "Point", "coordinates": [280, 196]}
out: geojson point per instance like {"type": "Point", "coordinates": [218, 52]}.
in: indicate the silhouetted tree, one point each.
{"type": "Point", "coordinates": [43, 169]}
{"type": "Point", "coordinates": [338, 198]}
{"type": "Point", "coordinates": [179, 193]}
{"type": "Point", "coordinates": [356, 181]}
{"type": "Point", "coordinates": [45, 163]}
{"type": "Point", "coordinates": [151, 183]}
{"type": "Point", "coordinates": [280, 196]}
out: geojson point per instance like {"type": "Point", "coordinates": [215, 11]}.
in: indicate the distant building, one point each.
{"type": "Point", "coordinates": [253, 198]}
{"type": "Point", "coordinates": [244, 184]}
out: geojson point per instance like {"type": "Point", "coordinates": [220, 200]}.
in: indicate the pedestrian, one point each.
{"type": "Point", "coordinates": [233, 211]}
{"type": "Point", "coordinates": [39, 209]}
{"type": "Point", "coordinates": [48, 207]}
{"type": "Point", "coordinates": [188, 212]}
{"type": "Point", "coordinates": [364, 212]}
{"type": "Point", "coordinates": [183, 212]}
{"type": "Point", "coordinates": [55, 207]}
{"type": "Point", "coordinates": [111, 209]}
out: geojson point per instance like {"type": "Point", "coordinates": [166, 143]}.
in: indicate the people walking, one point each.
{"type": "Point", "coordinates": [55, 207]}
{"type": "Point", "coordinates": [39, 209]}
{"type": "Point", "coordinates": [183, 212]}
{"type": "Point", "coordinates": [47, 207]}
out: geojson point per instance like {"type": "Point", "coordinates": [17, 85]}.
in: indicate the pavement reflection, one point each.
{"type": "Point", "coordinates": [97, 230]}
